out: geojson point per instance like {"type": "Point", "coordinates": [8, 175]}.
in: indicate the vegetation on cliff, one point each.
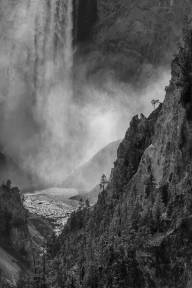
{"type": "Point", "coordinates": [13, 219]}
{"type": "Point", "coordinates": [139, 232]}
{"type": "Point", "coordinates": [15, 244]}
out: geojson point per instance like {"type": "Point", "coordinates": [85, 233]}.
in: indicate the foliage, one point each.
{"type": "Point", "coordinates": [138, 235]}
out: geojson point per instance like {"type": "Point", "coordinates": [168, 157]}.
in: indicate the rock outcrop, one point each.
{"type": "Point", "coordinates": [139, 232]}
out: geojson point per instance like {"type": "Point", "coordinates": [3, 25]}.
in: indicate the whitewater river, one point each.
{"type": "Point", "coordinates": [53, 204]}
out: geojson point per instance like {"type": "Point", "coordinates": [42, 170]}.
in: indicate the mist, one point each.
{"type": "Point", "coordinates": [51, 127]}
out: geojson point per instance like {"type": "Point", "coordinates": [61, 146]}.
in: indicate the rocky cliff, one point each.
{"type": "Point", "coordinates": [139, 232]}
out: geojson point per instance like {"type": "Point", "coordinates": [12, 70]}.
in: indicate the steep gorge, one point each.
{"type": "Point", "coordinates": [64, 56]}
{"type": "Point", "coordinates": [139, 232]}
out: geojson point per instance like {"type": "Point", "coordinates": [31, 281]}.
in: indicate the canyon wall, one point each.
{"type": "Point", "coordinates": [139, 232]}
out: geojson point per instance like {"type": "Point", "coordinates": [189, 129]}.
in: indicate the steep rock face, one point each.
{"type": "Point", "coordinates": [100, 224]}
{"type": "Point", "coordinates": [137, 139]}
{"type": "Point", "coordinates": [139, 232]}
{"type": "Point", "coordinates": [161, 188]}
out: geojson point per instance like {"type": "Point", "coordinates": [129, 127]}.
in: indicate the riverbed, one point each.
{"type": "Point", "coordinates": [54, 204]}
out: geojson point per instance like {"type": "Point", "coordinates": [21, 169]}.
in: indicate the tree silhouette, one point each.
{"type": "Point", "coordinates": [154, 102]}
{"type": "Point", "coordinates": [103, 182]}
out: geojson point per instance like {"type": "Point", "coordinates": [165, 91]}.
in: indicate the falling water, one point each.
{"type": "Point", "coordinates": [42, 45]}
{"type": "Point", "coordinates": [69, 37]}
{"type": "Point", "coordinates": [53, 39]}
{"type": "Point", "coordinates": [54, 91]}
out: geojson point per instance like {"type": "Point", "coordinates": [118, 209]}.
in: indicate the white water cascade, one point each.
{"type": "Point", "coordinates": [40, 96]}
{"type": "Point", "coordinates": [47, 127]}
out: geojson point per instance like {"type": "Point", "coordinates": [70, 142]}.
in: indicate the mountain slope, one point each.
{"type": "Point", "coordinates": [139, 232]}
{"type": "Point", "coordinates": [88, 175]}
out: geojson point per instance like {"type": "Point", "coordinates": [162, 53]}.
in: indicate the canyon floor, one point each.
{"type": "Point", "coordinates": [54, 204]}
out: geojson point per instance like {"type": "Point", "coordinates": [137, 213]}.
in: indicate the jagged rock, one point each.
{"type": "Point", "coordinates": [140, 229]}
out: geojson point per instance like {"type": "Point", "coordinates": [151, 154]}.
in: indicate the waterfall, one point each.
{"type": "Point", "coordinates": [69, 36]}
{"type": "Point", "coordinates": [53, 39]}
{"type": "Point", "coordinates": [54, 92]}
{"type": "Point", "coordinates": [39, 104]}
